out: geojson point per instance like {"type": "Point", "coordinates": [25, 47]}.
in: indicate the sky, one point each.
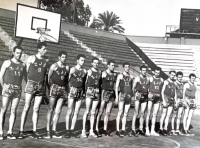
{"type": "Point", "coordinates": [141, 18]}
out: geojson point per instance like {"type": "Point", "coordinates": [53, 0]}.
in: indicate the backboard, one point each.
{"type": "Point", "coordinates": [37, 24]}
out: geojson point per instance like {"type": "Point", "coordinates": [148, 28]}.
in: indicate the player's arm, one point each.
{"type": "Point", "coordinates": [196, 97]}
{"type": "Point", "coordinates": [150, 80]}
{"type": "Point", "coordinates": [30, 60]}
{"type": "Point", "coordinates": [162, 92]}
{"type": "Point", "coordinates": [175, 97]}
{"type": "Point", "coordinates": [71, 72]}
{"type": "Point", "coordinates": [4, 66]}
{"type": "Point", "coordinates": [51, 70]}
{"type": "Point", "coordinates": [119, 77]}
{"type": "Point", "coordinates": [137, 79]}
{"type": "Point", "coordinates": [24, 72]}
{"type": "Point", "coordinates": [186, 86]}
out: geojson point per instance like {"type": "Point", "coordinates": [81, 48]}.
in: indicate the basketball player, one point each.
{"type": "Point", "coordinates": [124, 81]}
{"type": "Point", "coordinates": [12, 72]}
{"type": "Point", "coordinates": [169, 101]}
{"type": "Point", "coordinates": [76, 82]}
{"type": "Point", "coordinates": [189, 95]}
{"type": "Point", "coordinates": [140, 91]}
{"type": "Point", "coordinates": [36, 70]}
{"type": "Point", "coordinates": [92, 96]}
{"type": "Point", "coordinates": [154, 98]}
{"type": "Point", "coordinates": [57, 79]}
{"type": "Point", "coordinates": [177, 112]}
{"type": "Point", "coordinates": [107, 97]}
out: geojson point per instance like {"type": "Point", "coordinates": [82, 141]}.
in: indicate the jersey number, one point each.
{"type": "Point", "coordinates": [17, 73]}
{"type": "Point", "coordinates": [156, 87]}
{"type": "Point", "coordinates": [39, 69]}
{"type": "Point", "coordinates": [62, 77]}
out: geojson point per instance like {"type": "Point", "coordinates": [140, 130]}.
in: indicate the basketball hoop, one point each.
{"type": "Point", "coordinates": [43, 35]}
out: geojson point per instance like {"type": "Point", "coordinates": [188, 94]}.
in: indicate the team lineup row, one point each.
{"type": "Point", "coordinates": [96, 87]}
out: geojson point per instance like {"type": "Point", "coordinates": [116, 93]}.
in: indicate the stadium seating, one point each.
{"type": "Point", "coordinates": [171, 57]}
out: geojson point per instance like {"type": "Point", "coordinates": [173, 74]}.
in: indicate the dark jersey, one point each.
{"type": "Point", "coordinates": [77, 78]}
{"type": "Point", "coordinates": [59, 76]}
{"type": "Point", "coordinates": [14, 73]}
{"type": "Point", "coordinates": [37, 70]}
{"type": "Point", "coordinates": [190, 92]}
{"type": "Point", "coordinates": [179, 89]}
{"type": "Point", "coordinates": [109, 81]}
{"type": "Point", "coordinates": [155, 86]}
{"type": "Point", "coordinates": [170, 89]}
{"type": "Point", "coordinates": [142, 85]}
{"type": "Point", "coordinates": [125, 84]}
{"type": "Point", "coordinates": [93, 80]}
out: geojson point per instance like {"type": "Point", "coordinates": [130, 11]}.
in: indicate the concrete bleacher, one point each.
{"type": "Point", "coordinates": [65, 44]}
{"type": "Point", "coordinates": [109, 48]}
{"type": "Point", "coordinates": [171, 57]}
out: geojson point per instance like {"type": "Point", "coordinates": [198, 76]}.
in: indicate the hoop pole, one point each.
{"type": "Point", "coordinates": [20, 41]}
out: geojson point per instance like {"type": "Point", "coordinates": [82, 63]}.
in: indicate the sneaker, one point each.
{"type": "Point", "coordinates": [67, 134]}
{"type": "Point", "coordinates": [92, 134]}
{"type": "Point", "coordinates": [173, 133]}
{"type": "Point", "coordinates": [179, 132]}
{"type": "Point", "coordinates": [123, 133]}
{"type": "Point", "coordinates": [185, 133]}
{"type": "Point", "coordinates": [141, 132]}
{"type": "Point", "coordinates": [188, 131]}
{"type": "Point", "coordinates": [98, 134]}
{"type": "Point", "coordinates": [55, 135]}
{"type": "Point", "coordinates": [83, 134]}
{"type": "Point", "coordinates": [119, 134]}
{"type": "Point", "coordinates": [1, 136]}
{"type": "Point", "coordinates": [11, 136]}
{"type": "Point", "coordinates": [106, 133]}
{"type": "Point", "coordinates": [20, 135]}
{"type": "Point", "coordinates": [147, 134]}
{"type": "Point", "coordinates": [48, 135]}
{"type": "Point", "coordinates": [133, 133]}
{"type": "Point", "coordinates": [36, 135]}
{"type": "Point", "coordinates": [73, 135]}
{"type": "Point", "coordinates": [166, 132]}
{"type": "Point", "coordinates": [153, 133]}
{"type": "Point", "coordinates": [162, 132]}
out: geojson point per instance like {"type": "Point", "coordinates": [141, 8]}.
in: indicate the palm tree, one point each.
{"type": "Point", "coordinates": [108, 21]}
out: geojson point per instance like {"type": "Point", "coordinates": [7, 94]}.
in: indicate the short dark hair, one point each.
{"type": "Point", "coordinates": [110, 61]}
{"type": "Point", "coordinates": [192, 75]}
{"type": "Point", "coordinates": [95, 58]}
{"type": "Point", "coordinates": [17, 47]}
{"type": "Point", "coordinates": [179, 73]}
{"type": "Point", "coordinates": [172, 71]}
{"type": "Point", "coordinates": [39, 46]}
{"type": "Point", "coordinates": [143, 66]}
{"type": "Point", "coordinates": [62, 52]}
{"type": "Point", "coordinates": [80, 55]}
{"type": "Point", "coordinates": [157, 68]}
{"type": "Point", "coordinates": [125, 63]}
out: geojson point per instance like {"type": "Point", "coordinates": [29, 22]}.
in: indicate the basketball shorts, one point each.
{"type": "Point", "coordinates": [169, 101]}
{"type": "Point", "coordinates": [142, 97]}
{"type": "Point", "coordinates": [75, 93]}
{"type": "Point", "coordinates": [57, 91]}
{"type": "Point", "coordinates": [126, 97]}
{"type": "Point", "coordinates": [181, 103]}
{"type": "Point", "coordinates": [108, 95]}
{"type": "Point", "coordinates": [155, 98]}
{"type": "Point", "coordinates": [192, 104]}
{"type": "Point", "coordinates": [11, 90]}
{"type": "Point", "coordinates": [35, 88]}
{"type": "Point", "coordinates": [93, 93]}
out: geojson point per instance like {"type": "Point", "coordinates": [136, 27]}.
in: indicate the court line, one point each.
{"type": "Point", "coordinates": [178, 144]}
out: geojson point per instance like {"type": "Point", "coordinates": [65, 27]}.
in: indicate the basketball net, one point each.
{"type": "Point", "coordinates": [43, 35]}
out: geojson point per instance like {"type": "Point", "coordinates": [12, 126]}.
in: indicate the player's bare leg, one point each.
{"type": "Point", "coordinates": [69, 112]}
{"type": "Point", "coordinates": [178, 120]}
{"type": "Point", "coordinates": [124, 119]}
{"type": "Point", "coordinates": [169, 111]}
{"type": "Point", "coordinates": [174, 115]}
{"type": "Point", "coordinates": [191, 111]}
{"type": "Point", "coordinates": [101, 109]}
{"type": "Point", "coordinates": [14, 105]}
{"type": "Point", "coordinates": [106, 117]}
{"type": "Point", "coordinates": [120, 112]}
{"type": "Point", "coordinates": [88, 102]}
{"type": "Point", "coordinates": [76, 112]}
{"type": "Point", "coordinates": [28, 98]}
{"type": "Point", "coordinates": [5, 103]}
{"type": "Point", "coordinates": [136, 110]}
{"type": "Point", "coordinates": [156, 107]}
{"type": "Point", "coordinates": [52, 102]}
{"type": "Point", "coordinates": [36, 107]}
{"type": "Point", "coordinates": [149, 108]}
{"type": "Point", "coordinates": [142, 111]}
{"type": "Point", "coordinates": [164, 112]}
{"type": "Point", "coordinates": [92, 117]}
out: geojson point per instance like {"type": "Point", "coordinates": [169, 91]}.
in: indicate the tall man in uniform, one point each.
{"type": "Point", "coordinates": [189, 95]}
{"type": "Point", "coordinates": [76, 82]}
{"type": "Point", "coordinates": [92, 96]}
{"type": "Point", "coordinates": [11, 75]}
{"type": "Point", "coordinates": [124, 82]}
{"type": "Point", "coordinates": [107, 96]}
{"type": "Point", "coordinates": [169, 102]}
{"type": "Point", "coordinates": [177, 112]}
{"type": "Point", "coordinates": [140, 91]}
{"type": "Point", "coordinates": [36, 70]}
{"type": "Point", "coordinates": [154, 98]}
{"type": "Point", "coordinates": [57, 79]}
